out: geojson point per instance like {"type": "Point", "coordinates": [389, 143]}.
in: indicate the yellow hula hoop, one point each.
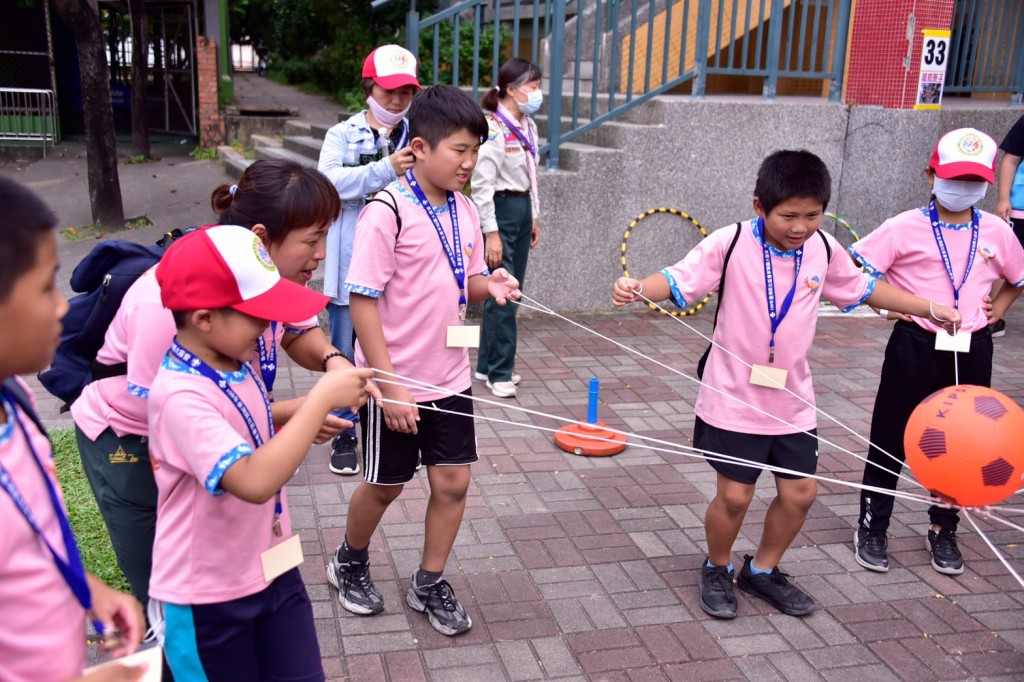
{"type": "Point", "coordinates": [692, 310]}
{"type": "Point", "coordinates": [848, 226]}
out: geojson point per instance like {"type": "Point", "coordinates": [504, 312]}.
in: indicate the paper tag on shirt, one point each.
{"type": "Point", "coordinates": [769, 377]}
{"type": "Point", "coordinates": [960, 343]}
{"type": "Point", "coordinates": [464, 336]}
{"type": "Point", "coordinates": [281, 558]}
{"type": "Point", "coordinates": [153, 657]}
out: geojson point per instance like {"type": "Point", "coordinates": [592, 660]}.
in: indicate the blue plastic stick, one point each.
{"type": "Point", "coordinates": [595, 386]}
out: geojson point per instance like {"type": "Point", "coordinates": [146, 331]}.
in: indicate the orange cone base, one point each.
{"type": "Point", "coordinates": [580, 439]}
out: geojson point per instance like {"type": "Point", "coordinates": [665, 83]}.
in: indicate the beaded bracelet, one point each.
{"type": "Point", "coordinates": [335, 354]}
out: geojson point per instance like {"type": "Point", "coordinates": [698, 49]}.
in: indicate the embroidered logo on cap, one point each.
{"type": "Point", "coordinates": [970, 144]}
{"type": "Point", "coordinates": [399, 59]}
{"type": "Point", "coordinates": [262, 255]}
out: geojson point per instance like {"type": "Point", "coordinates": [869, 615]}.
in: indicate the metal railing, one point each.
{"type": "Point", "coordinates": [986, 50]}
{"type": "Point", "coordinates": [609, 56]}
{"type": "Point", "coordinates": [28, 114]}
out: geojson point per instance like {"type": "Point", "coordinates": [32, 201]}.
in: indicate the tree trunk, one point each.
{"type": "Point", "coordinates": [140, 77]}
{"type": "Point", "coordinates": [83, 19]}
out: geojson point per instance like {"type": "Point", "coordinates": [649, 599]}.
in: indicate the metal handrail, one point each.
{"type": "Point", "coordinates": [28, 114]}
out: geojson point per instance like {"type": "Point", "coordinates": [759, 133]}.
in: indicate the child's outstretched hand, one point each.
{"type": "Point", "coordinates": [343, 387]}
{"type": "Point", "coordinates": [625, 291]}
{"type": "Point", "coordinates": [503, 287]}
{"type": "Point", "coordinates": [948, 318]}
{"type": "Point", "coordinates": [117, 611]}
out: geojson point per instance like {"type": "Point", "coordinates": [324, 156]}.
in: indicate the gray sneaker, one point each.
{"type": "Point", "coordinates": [443, 610]}
{"type": "Point", "coordinates": [356, 590]}
{"type": "Point", "coordinates": [870, 549]}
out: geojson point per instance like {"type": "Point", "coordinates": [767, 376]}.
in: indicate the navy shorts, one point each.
{"type": "Point", "coordinates": [796, 451]}
{"type": "Point", "coordinates": [267, 636]}
{"type": "Point", "coordinates": [442, 439]}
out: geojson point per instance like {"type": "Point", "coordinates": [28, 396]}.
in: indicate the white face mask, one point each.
{"type": "Point", "coordinates": [958, 195]}
{"type": "Point", "coordinates": [386, 118]}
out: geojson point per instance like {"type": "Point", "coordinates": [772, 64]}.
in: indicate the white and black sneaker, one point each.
{"type": "Point", "coordinates": [344, 457]}
{"type": "Point", "coordinates": [356, 590]}
{"type": "Point", "coordinates": [437, 600]}
{"type": "Point", "coordinates": [870, 547]}
{"type": "Point", "coordinates": [946, 557]}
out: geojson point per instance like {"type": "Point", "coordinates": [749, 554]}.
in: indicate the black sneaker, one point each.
{"type": "Point", "coordinates": [999, 329]}
{"type": "Point", "coordinates": [946, 556]}
{"type": "Point", "coordinates": [717, 597]}
{"type": "Point", "coordinates": [443, 610]}
{"type": "Point", "coordinates": [775, 589]}
{"type": "Point", "coordinates": [869, 546]}
{"type": "Point", "coordinates": [356, 590]}
{"type": "Point", "coordinates": [344, 459]}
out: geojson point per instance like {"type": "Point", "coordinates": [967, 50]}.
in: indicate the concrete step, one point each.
{"type": "Point", "coordinates": [235, 163]}
{"type": "Point", "coordinates": [305, 145]}
{"type": "Point", "coordinates": [297, 128]}
{"type": "Point", "coordinates": [319, 131]}
{"type": "Point", "coordinates": [285, 154]}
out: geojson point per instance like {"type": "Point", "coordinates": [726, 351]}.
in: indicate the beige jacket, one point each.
{"type": "Point", "coordinates": [504, 164]}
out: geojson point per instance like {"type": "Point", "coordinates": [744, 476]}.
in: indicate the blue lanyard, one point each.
{"type": "Point", "coordinates": [454, 254]}
{"type": "Point", "coordinates": [776, 318]}
{"type": "Point", "coordinates": [199, 365]}
{"type": "Point", "coordinates": [72, 570]}
{"type": "Point", "coordinates": [268, 359]}
{"type": "Point", "coordinates": [529, 144]}
{"type": "Point", "coordinates": [937, 231]}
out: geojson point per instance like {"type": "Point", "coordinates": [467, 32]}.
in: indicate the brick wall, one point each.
{"type": "Point", "coordinates": [884, 66]}
{"type": "Point", "coordinates": [211, 121]}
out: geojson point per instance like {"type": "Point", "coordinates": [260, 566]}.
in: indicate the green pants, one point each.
{"type": "Point", "coordinates": [497, 357]}
{"type": "Point", "coordinates": [121, 478]}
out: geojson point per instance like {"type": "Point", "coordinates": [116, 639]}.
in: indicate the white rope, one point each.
{"type": "Point", "coordinates": [990, 514]}
{"type": "Point", "coordinates": [534, 305]}
{"type": "Point", "coordinates": [970, 517]}
{"type": "Point", "coordinates": [663, 445]}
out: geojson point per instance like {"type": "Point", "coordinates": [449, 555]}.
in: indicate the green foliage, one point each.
{"type": "Point", "coordinates": [86, 521]}
{"type": "Point", "coordinates": [483, 56]}
{"type": "Point", "coordinates": [203, 153]}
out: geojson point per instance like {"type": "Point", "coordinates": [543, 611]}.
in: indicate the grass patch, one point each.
{"type": "Point", "coordinates": [90, 531]}
{"type": "Point", "coordinates": [203, 153]}
{"type": "Point", "coordinates": [91, 231]}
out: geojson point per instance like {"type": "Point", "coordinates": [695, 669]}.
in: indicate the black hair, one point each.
{"type": "Point", "coordinates": [791, 174]}
{"type": "Point", "coordinates": [515, 72]}
{"type": "Point", "coordinates": [26, 219]}
{"type": "Point", "coordinates": [282, 195]}
{"type": "Point", "coordinates": [181, 317]}
{"type": "Point", "coordinates": [367, 84]}
{"type": "Point", "coordinates": [441, 111]}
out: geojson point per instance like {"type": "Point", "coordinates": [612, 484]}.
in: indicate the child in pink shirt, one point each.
{"type": "Point", "coordinates": [225, 578]}
{"type": "Point", "coordinates": [290, 208]}
{"type": "Point", "coordinates": [409, 291]}
{"type": "Point", "coordinates": [45, 592]}
{"type": "Point", "coordinates": [953, 252]}
{"type": "Point", "coordinates": [779, 271]}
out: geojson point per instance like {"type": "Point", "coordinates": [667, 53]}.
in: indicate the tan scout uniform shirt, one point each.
{"type": "Point", "coordinates": [504, 164]}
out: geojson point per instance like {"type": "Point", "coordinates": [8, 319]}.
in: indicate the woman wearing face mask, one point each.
{"type": "Point", "coordinates": [505, 193]}
{"type": "Point", "coordinates": [951, 252]}
{"type": "Point", "coordinates": [361, 156]}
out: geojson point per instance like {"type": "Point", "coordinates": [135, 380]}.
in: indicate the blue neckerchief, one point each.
{"type": "Point", "coordinates": [268, 359]}
{"type": "Point", "coordinates": [776, 317]}
{"type": "Point", "coordinates": [933, 213]}
{"type": "Point", "coordinates": [199, 365]}
{"type": "Point", "coordinates": [454, 254]}
{"type": "Point", "coordinates": [529, 144]}
{"type": "Point", "coordinates": [72, 570]}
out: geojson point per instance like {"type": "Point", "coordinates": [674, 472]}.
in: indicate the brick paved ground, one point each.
{"type": "Point", "coordinates": [585, 568]}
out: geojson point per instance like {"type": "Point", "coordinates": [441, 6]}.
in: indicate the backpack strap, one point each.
{"type": "Point", "coordinates": [393, 205]}
{"type": "Point", "coordinates": [828, 248]}
{"type": "Point", "coordinates": [725, 266]}
{"type": "Point", "coordinates": [24, 404]}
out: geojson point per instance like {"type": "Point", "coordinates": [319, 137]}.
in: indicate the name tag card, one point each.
{"type": "Point", "coordinates": [464, 336]}
{"type": "Point", "coordinates": [960, 343]}
{"type": "Point", "coordinates": [153, 657]}
{"type": "Point", "coordinates": [281, 558]}
{"type": "Point", "coordinates": [769, 377]}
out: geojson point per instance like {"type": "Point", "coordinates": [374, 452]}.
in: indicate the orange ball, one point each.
{"type": "Point", "coordinates": [965, 444]}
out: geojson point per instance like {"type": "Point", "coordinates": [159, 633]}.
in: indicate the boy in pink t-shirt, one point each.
{"type": "Point", "coordinates": [779, 270]}
{"type": "Point", "coordinates": [409, 289]}
{"type": "Point", "coordinates": [225, 580]}
{"type": "Point", "coordinates": [45, 592]}
{"type": "Point", "coordinates": [950, 251]}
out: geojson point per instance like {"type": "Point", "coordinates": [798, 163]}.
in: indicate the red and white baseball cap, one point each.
{"type": "Point", "coordinates": [965, 151]}
{"type": "Point", "coordinates": [227, 266]}
{"type": "Point", "coordinates": [391, 67]}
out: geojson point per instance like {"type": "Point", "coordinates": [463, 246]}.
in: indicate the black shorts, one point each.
{"type": "Point", "coordinates": [796, 451]}
{"type": "Point", "coordinates": [442, 439]}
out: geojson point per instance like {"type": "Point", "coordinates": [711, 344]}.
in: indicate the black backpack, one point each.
{"type": "Point", "coordinates": [102, 279]}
